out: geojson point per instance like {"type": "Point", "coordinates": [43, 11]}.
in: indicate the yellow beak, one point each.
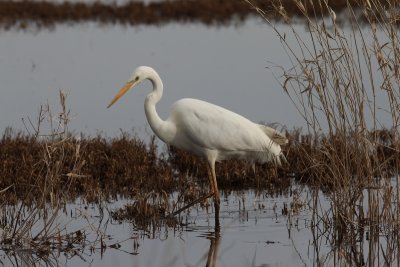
{"type": "Point", "coordinates": [121, 92]}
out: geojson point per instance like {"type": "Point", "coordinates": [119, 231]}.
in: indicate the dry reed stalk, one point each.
{"type": "Point", "coordinates": [337, 81]}
{"type": "Point", "coordinates": [31, 223]}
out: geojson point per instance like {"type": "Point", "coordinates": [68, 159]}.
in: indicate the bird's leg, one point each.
{"type": "Point", "coordinates": [210, 171]}
{"type": "Point", "coordinates": [213, 181]}
{"type": "Point", "coordinates": [210, 179]}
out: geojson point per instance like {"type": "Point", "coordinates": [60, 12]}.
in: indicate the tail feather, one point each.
{"type": "Point", "coordinates": [274, 135]}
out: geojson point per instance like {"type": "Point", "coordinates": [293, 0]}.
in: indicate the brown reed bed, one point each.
{"type": "Point", "coordinates": [122, 165]}
{"type": "Point", "coordinates": [89, 166]}
{"type": "Point", "coordinates": [23, 14]}
{"type": "Point", "coordinates": [306, 153]}
{"type": "Point", "coordinates": [112, 166]}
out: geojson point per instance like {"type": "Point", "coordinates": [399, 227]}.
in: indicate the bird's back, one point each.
{"type": "Point", "coordinates": [205, 128]}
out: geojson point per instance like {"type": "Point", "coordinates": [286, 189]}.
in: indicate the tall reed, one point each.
{"type": "Point", "coordinates": [344, 82]}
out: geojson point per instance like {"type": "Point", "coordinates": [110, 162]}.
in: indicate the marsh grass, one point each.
{"type": "Point", "coordinates": [344, 82]}
{"type": "Point", "coordinates": [25, 14]}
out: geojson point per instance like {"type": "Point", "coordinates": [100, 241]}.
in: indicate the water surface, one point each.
{"type": "Point", "coordinates": [254, 232]}
{"type": "Point", "coordinates": [222, 65]}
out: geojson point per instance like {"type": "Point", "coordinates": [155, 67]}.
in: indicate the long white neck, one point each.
{"type": "Point", "coordinates": [165, 130]}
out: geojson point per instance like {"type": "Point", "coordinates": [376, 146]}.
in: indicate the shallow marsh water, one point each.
{"type": "Point", "coordinates": [255, 231]}
{"type": "Point", "coordinates": [293, 227]}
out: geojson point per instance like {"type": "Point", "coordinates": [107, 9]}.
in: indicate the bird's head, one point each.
{"type": "Point", "coordinates": [138, 75]}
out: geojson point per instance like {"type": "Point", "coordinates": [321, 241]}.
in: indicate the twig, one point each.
{"type": "Point", "coordinates": [5, 189]}
{"type": "Point", "coordinates": [190, 205]}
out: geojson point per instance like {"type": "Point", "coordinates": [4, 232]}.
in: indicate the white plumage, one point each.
{"type": "Point", "coordinates": [207, 130]}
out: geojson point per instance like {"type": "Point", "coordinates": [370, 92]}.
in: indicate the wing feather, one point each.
{"type": "Point", "coordinates": [215, 128]}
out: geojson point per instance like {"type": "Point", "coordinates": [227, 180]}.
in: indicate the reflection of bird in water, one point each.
{"type": "Point", "coordinates": [207, 130]}
{"type": "Point", "coordinates": [213, 251]}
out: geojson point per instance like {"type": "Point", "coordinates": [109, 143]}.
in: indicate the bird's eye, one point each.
{"type": "Point", "coordinates": [137, 78]}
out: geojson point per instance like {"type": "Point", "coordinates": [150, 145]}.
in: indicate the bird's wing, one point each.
{"type": "Point", "coordinates": [275, 136]}
{"type": "Point", "coordinates": [213, 127]}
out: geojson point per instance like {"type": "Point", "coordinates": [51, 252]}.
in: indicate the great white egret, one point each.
{"type": "Point", "coordinates": [207, 130]}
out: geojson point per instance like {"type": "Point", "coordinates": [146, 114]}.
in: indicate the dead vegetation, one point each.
{"type": "Point", "coordinates": [344, 82]}
{"type": "Point", "coordinates": [25, 14]}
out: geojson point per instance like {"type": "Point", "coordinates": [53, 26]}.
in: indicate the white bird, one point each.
{"type": "Point", "coordinates": [207, 130]}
